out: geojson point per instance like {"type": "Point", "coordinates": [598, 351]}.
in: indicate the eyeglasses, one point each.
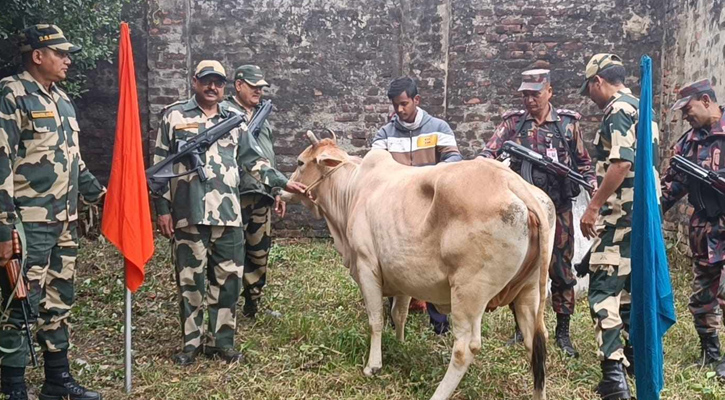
{"type": "Point", "coordinates": [209, 81]}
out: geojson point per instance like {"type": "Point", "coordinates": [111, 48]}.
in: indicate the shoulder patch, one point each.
{"type": "Point", "coordinates": [510, 113]}
{"type": "Point", "coordinates": [568, 113]}
{"type": "Point", "coordinates": [173, 104]}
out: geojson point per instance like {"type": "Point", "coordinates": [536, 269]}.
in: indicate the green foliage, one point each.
{"type": "Point", "coordinates": [93, 24]}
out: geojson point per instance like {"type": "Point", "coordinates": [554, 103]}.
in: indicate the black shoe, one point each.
{"type": "Point", "coordinates": [518, 338]}
{"type": "Point", "coordinates": [563, 340]}
{"type": "Point", "coordinates": [64, 387]}
{"type": "Point", "coordinates": [185, 358]}
{"type": "Point", "coordinates": [14, 388]}
{"type": "Point", "coordinates": [250, 308]}
{"type": "Point", "coordinates": [709, 349]}
{"type": "Point", "coordinates": [629, 353]}
{"type": "Point", "coordinates": [227, 354]}
{"type": "Point", "coordinates": [613, 385]}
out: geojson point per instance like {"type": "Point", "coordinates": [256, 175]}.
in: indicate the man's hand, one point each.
{"type": "Point", "coordinates": [280, 207]}
{"type": "Point", "coordinates": [295, 187]}
{"type": "Point", "coordinates": [166, 225]}
{"type": "Point", "coordinates": [589, 218]}
{"type": "Point", "coordinates": [6, 252]}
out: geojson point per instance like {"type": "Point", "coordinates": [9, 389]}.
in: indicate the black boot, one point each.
{"type": "Point", "coordinates": [562, 335]}
{"type": "Point", "coordinates": [709, 349]}
{"type": "Point", "coordinates": [250, 306]}
{"type": "Point", "coordinates": [629, 353]}
{"type": "Point", "coordinates": [13, 383]}
{"type": "Point", "coordinates": [613, 385]}
{"type": "Point", "coordinates": [59, 384]}
{"type": "Point", "coordinates": [710, 353]}
{"type": "Point", "coordinates": [227, 354]}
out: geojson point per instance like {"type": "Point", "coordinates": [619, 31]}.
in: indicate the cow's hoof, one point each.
{"type": "Point", "coordinates": [370, 371]}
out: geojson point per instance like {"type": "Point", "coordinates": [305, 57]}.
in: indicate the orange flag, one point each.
{"type": "Point", "coordinates": [126, 213]}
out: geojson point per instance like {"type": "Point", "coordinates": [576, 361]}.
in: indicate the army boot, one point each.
{"type": "Point", "coordinates": [227, 354]}
{"type": "Point", "coordinates": [250, 306]}
{"type": "Point", "coordinates": [59, 384]}
{"type": "Point", "coordinates": [12, 383]}
{"type": "Point", "coordinates": [614, 385]}
{"type": "Point", "coordinates": [185, 358]}
{"type": "Point", "coordinates": [563, 341]}
{"type": "Point", "coordinates": [710, 353]}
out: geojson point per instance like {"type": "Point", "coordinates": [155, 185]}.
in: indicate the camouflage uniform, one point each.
{"type": "Point", "coordinates": [42, 176]}
{"type": "Point", "coordinates": [610, 264]}
{"type": "Point", "coordinates": [257, 195]}
{"type": "Point", "coordinates": [520, 127]}
{"type": "Point", "coordinates": [208, 225]}
{"type": "Point", "coordinates": [705, 147]}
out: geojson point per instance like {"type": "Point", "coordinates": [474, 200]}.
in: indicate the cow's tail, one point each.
{"type": "Point", "coordinates": [538, 353]}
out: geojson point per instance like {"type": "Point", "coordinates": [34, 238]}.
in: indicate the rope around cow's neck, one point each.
{"type": "Point", "coordinates": [320, 179]}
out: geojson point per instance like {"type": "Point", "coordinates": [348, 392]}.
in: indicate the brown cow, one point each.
{"type": "Point", "coordinates": [465, 236]}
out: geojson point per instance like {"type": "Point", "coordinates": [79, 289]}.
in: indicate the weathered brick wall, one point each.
{"type": "Point", "coordinates": [692, 50]}
{"type": "Point", "coordinates": [97, 108]}
{"type": "Point", "coordinates": [330, 61]}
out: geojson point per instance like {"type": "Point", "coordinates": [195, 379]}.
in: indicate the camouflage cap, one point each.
{"type": "Point", "coordinates": [534, 80]}
{"type": "Point", "coordinates": [598, 63]}
{"type": "Point", "coordinates": [210, 67]}
{"type": "Point", "coordinates": [45, 35]}
{"type": "Point", "coordinates": [251, 74]}
{"type": "Point", "coordinates": [689, 91]}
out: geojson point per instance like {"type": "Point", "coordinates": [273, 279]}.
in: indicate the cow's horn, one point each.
{"type": "Point", "coordinates": [332, 133]}
{"type": "Point", "coordinates": [313, 138]}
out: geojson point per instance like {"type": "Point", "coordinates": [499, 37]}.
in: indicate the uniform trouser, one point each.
{"type": "Point", "coordinates": [52, 249]}
{"type": "Point", "coordinates": [610, 304]}
{"type": "Point", "coordinates": [560, 271]}
{"type": "Point", "coordinates": [707, 297]}
{"type": "Point", "coordinates": [256, 214]}
{"type": "Point", "coordinates": [204, 252]}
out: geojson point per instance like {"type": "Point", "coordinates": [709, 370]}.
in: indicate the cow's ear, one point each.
{"type": "Point", "coordinates": [329, 160]}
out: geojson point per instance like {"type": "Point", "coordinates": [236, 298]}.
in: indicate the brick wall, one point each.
{"type": "Point", "coordinates": [692, 50]}
{"type": "Point", "coordinates": [330, 61]}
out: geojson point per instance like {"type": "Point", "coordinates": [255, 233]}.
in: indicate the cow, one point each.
{"type": "Point", "coordinates": [467, 237]}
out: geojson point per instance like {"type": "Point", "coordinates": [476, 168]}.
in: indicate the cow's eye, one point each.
{"type": "Point", "coordinates": [300, 163]}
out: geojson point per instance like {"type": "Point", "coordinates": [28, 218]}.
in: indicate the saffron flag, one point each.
{"type": "Point", "coordinates": [126, 212]}
{"type": "Point", "coordinates": [653, 310]}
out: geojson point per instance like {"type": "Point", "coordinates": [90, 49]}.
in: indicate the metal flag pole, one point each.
{"type": "Point", "coordinates": [128, 356]}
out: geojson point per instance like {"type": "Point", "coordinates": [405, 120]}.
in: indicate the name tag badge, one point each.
{"type": "Point", "coordinates": [551, 153]}
{"type": "Point", "coordinates": [427, 141]}
{"type": "Point", "coordinates": [42, 114]}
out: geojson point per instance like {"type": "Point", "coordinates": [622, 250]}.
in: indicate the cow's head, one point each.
{"type": "Point", "coordinates": [317, 160]}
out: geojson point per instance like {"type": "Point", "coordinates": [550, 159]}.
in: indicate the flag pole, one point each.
{"type": "Point", "coordinates": [127, 330]}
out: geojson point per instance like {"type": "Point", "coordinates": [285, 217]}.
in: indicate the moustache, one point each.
{"type": "Point", "coordinates": [214, 92]}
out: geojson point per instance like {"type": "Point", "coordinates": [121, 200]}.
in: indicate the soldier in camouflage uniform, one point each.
{"type": "Point", "coordinates": [704, 145]}
{"type": "Point", "coordinates": [204, 219]}
{"type": "Point", "coordinates": [608, 218]}
{"type": "Point", "coordinates": [554, 133]}
{"type": "Point", "coordinates": [257, 196]}
{"type": "Point", "coordinates": [42, 176]}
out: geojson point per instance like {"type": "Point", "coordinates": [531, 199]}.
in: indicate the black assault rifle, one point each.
{"type": "Point", "coordinates": [161, 173]}
{"type": "Point", "coordinates": [530, 158]}
{"type": "Point", "coordinates": [705, 177]}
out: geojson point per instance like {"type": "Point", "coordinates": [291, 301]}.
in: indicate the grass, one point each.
{"type": "Point", "coordinates": [319, 346]}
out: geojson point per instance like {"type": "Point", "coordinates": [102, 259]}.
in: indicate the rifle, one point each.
{"type": "Point", "coordinates": [706, 177]}
{"type": "Point", "coordinates": [159, 175]}
{"type": "Point", "coordinates": [530, 158]}
{"type": "Point", "coordinates": [14, 270]}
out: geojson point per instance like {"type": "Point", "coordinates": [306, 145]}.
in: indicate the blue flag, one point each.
{"type": "Point", "coordinates": [653, 310]}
